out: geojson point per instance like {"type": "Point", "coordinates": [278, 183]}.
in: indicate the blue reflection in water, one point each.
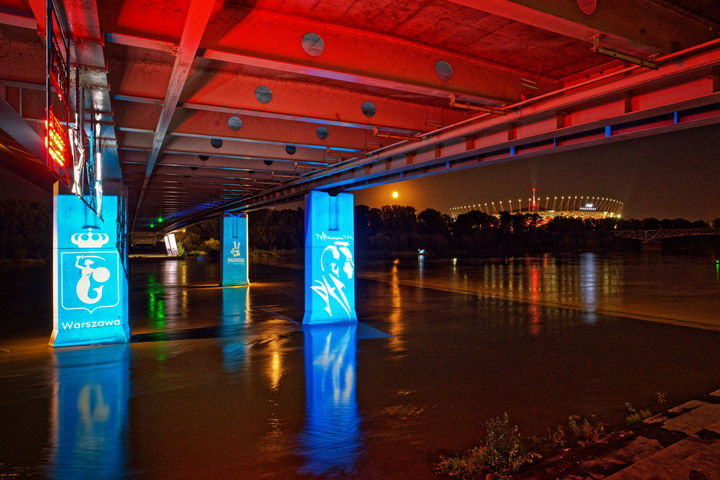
{"type": "Point", "coordinates": [589, 285]}
{"type": "Point", "coordinates": [234, 318]}
{"type": "Point", "coordinates": [90, 412]}
{"type": "Point", "coordinates": [331, 439]}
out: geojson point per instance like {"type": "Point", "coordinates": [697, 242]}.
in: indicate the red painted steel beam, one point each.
{"type": "Point", "coordinates": [640, 24]}
{"type": "Point", "coordinates": [680, 95]}
{"type": "Point", "coordinates": [230, 93]}
{"type": "Point", "coordinates": [271, 41]}
{"type": "Point", "coordinates": [232, 147]}
{"type": "Point", "coordinates": [181, 159]}
{"type": "Point", "coordinates": [195, 24]}
{"type": "Point", "coordinates": [18, 19]}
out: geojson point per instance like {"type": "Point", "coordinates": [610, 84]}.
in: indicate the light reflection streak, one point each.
{"type": "Point", "coordinates": [171, 297]}
{"type": "Point", "coordinates": [396, 325]}
{"type": "Point", "coordinates": [588, 285]}
{"type": "Point", "coordinates": [331, 440]}
{"type": "Point", "coordinates": [235, 306]}
{"type": "Point", "coordinates": [534, 311]}
{"type": "Point", "coordinates": [90, 412]}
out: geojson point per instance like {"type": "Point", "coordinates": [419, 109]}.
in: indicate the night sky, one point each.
{"type": "Point", "coordinates": [663, 176]}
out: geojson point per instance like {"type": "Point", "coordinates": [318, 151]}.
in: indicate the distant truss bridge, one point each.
{"type": "Point", "coordinates": [659, 234]}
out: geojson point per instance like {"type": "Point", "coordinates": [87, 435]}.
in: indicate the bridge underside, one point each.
{"type": "Point", "coordinates": [208, 106]}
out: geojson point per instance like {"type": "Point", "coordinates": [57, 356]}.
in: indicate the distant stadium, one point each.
{"type": "Point", "coordinates": [549, 207]}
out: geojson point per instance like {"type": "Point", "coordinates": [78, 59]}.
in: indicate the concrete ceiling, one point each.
{"type": "Point", "coordinates": [209, 100]}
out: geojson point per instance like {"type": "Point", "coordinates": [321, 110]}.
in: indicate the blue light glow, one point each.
{"type": "Point", "coordinates": [329, 259]}
{"type": "Point", "coordinates": [90, 412]}
{"type": "Point", "coordinates": [90, 293]}
{"type": "Point", "coordinates": [235, 303]}
{"type": "Point", "coordinates": [234, 250]}
{"type": "Point", "coordinates": [331, 440]}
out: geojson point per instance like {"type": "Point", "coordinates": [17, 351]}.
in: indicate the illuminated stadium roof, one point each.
{"type": "Point", "coordinates": [579, 206]}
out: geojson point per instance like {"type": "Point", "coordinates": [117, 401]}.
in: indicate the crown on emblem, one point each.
{"type": "Point", "coordinates": [89, 239]}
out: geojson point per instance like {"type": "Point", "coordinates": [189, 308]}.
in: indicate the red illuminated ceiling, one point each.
{"type": "Point", "coordinates": [307, 82]}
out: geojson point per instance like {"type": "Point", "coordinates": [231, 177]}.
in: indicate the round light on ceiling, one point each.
{"type": "Point", "coordinates": [290, 149]}
{"type": "Point", "coordinates": [322, 133]}
{"type": "Point", "coordinates": [216, 142]}
{"type": "Point", "coordinates": [313, 44]}
{"type": "Point", "coordinates": [368, 109]}
{"type": "Point", "coordinates": [263, 94]}
{"type": "Point", "coordinates": [443, 70]}
{"type": "Point", "coordinates": [587, 7]}
{"type": "Point", "coordinates": [234, 123]}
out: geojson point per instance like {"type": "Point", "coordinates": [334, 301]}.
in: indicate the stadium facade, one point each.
{"type": "Point", "coordinates": [549, 207]}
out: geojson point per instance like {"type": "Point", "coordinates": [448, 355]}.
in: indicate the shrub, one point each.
{"type": "Point", "coordinates": [585, 431]}
{"type": "Point", "coordinates": [502, 454]}
{"type": "Point", "coordinates": [635, 416]}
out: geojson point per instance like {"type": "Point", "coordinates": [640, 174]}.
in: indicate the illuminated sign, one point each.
{"type": "Point", "coordinates": [90, 297]}
{"type": "Point", "coordinates": [234, 250]}
{"type": "Point", "coordinates": [329, 259]}
{"type": "Point", "coordinates": [56, 141]}
{"type": "Point", "coordinates": [170, 245]}
{"type": "Point", "coordinates": [589, 206]}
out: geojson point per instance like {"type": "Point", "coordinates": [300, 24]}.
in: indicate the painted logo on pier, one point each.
{"type": "Point", "coordinates": [89, 280]}
{"type": "Point", "coordinates": [337, 267]}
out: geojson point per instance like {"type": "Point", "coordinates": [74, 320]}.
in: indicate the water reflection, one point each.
{"type": "Point", "coordinates": [588, 285]}
{"type": "Point", "coordinates": [235, 305]}
{"type": "Point", "coordinates": [331, 440]}
{"type": "Point", "coordinates": [170, 277]}
{"type": "Point", "coordinates": [90, 412]}
{"type": "Point", "coordinates": [396, 323]}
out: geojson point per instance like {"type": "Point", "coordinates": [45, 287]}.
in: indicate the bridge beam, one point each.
{"type": "Point", "coordinates": [665, 28]}
{"type": "Point", "coordinates": [197, 19]}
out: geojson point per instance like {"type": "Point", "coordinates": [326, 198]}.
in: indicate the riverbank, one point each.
{"type": "Point", "coordinates": [681, 443]}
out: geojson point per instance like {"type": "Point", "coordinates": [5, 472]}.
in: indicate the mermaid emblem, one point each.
{"type": "Point", "coordinates": [99, 274]}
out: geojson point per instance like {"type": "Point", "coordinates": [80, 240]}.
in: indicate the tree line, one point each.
{"type": "Point", "coordinates": [394, 229]}
{"type": "Point", "coordinates": [27, 232]}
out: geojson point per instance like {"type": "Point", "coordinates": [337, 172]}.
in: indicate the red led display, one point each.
{"type": "Point", "coordinates": [56, 141]}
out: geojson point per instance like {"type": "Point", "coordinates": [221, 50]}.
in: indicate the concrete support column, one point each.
{"type": "Point", "coordinates": [234, 261]}
{"type": "Point", "coordinates": [90, 284]}
{"type": "Point", "coordinates": [329, 258]}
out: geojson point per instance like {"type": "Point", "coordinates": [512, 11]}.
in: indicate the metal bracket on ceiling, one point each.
{"type": "Point", "coordinates": [626, 57]}
{"type": "Point", "coordinates": [478, 108]}
{"type": "Point", "coordinates": [398, 136]}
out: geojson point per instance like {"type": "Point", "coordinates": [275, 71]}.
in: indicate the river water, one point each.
{"type": "Point", "coordinates": [226, 383]}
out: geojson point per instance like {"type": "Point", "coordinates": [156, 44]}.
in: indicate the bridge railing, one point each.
{"type": "Point", "coordinates": [143, 239]}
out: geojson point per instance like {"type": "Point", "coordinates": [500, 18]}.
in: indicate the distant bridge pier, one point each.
{"type": "Point", "coordinates": [90, 283]}
{"type": "Point", "coordinates": [234, 261]}
{"type": "Point", "coordinates": [329, 258]}
{"type": "Point", "coordinates": [651, 246]}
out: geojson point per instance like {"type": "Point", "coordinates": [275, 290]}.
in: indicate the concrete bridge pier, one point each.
{"type": "Point", "coordinates": [234, 260]}
{"type": "Point", "coordinates": [90, 283]}
{"type": "Point", "coordinates": [651, 246]}
{"type": "Point", "coordinates": [329, 258]}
